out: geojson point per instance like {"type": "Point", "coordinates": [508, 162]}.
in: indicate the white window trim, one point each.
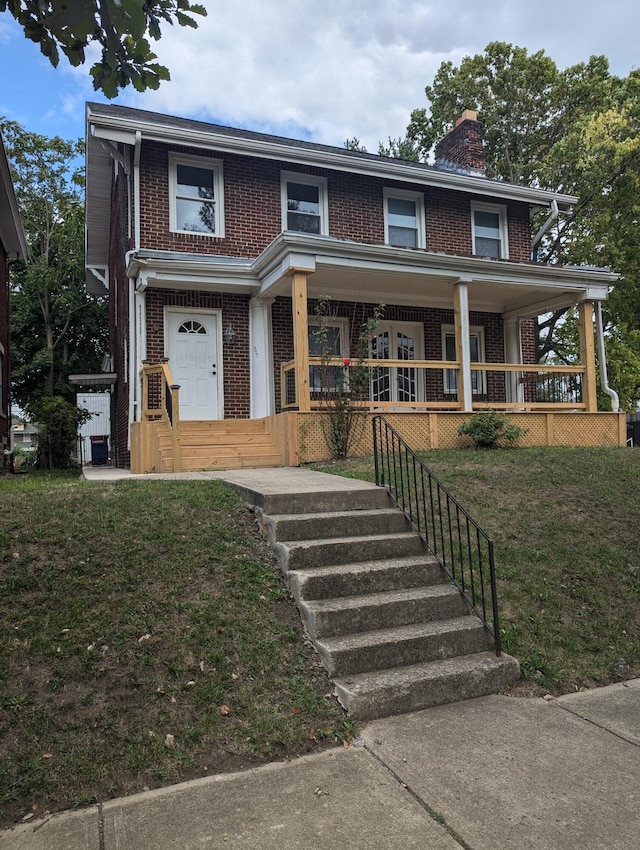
{"type": "Point", "coordinates": [474, 330]}
{"type": "Point", "coordinates": [215, 165]}
{"type": "Point", "coordinates": [307, 180]}
{"type": "Point", "coordinates": [418, 197]}
{"type": "Point", "coordinates": [504, 229]}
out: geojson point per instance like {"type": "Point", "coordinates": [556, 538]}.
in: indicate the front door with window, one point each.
{"type": "Point", "coordinates": [195, 361]}
{"type": "Point", "coordinates": [400, 341]}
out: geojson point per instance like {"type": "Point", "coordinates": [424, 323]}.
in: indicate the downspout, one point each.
{"type": "Point", "coordinates": [555, 212]}
{"type": "Point", "coordinates": [134, 390]}
{"type": "Point", "coordinates": [604, 380]}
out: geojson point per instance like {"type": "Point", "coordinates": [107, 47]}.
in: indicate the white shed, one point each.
{"type": "Point", "coordinates": [99, 404]}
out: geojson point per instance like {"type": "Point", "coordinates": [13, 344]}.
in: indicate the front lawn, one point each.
{"type": "Point", "coordinates": [565, 526]}
{"type": "Point", "coordinates": [145, 638]}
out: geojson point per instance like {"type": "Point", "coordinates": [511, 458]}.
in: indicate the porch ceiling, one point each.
{"type": "Point", "coordinates": [382, 274]}
{"type": "Point", "coordinates": [424, 289]}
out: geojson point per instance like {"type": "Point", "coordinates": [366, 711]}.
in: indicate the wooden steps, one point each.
{"type": "Point", "coordinates": [221, 444]}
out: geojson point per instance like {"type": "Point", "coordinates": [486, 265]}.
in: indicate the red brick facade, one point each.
{"type": "Point", "coordinates": [235, 363]}
{"type": "Point", "coordinates": [252, 220]}
{"type": "Point", "coordinates": [253, 217]}
{"type": "Point", "coordinates": [119, 243]}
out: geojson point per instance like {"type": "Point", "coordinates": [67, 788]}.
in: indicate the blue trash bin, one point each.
{"type": "Point", "coordinates": [99, 450]}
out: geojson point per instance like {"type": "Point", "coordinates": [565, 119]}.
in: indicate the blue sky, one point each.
{"type": "Point", "coordinates": [325, 71]}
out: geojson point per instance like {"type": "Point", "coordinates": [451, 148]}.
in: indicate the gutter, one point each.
{"type": "Point", "coordinates": [134, 390]}
{"type": "Point", "coordinates": [604, 379]}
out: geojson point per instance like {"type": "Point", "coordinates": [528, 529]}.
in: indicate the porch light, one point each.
{"type": "Point", "coordinates": [228, 335]}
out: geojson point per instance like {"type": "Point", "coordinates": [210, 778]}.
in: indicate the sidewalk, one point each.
{"type": "Point", "coordinates": [496, 773]}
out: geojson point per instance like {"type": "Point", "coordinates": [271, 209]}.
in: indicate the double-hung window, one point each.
{"type": "Point", "coordinates": [330, 338]}
{"type": "Point", "coordinates": [196, 195]}
{"type": "Point", "coordinates": [304, 204]}
{"type": "Point", "coordinates": [489, 231]}
{"type": "Point", "coordinates": [476, 344]}
{"type": "Point", "coordinates": [404, 218]}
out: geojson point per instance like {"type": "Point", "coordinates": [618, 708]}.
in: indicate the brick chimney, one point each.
{"type": "Point", "coordinates": [461, 149]}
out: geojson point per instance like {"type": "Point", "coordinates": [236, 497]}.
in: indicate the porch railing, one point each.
{"type": "Point", "coordinates": [462, 547]}
{"type": "Point", "coordinates": [161, 401]}
{"type": "Point", "coordinates": [433, 385]}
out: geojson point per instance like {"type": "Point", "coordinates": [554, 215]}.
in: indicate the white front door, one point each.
{"type": "Point", "coordinates": [195, 361]}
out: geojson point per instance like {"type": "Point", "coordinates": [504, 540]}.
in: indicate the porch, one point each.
{"type": "Point", "coordinates": [161, 442]}
{"type": "Point", "coordinates": [457, 337]}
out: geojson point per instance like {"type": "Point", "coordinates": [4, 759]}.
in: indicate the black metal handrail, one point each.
{"type": "Point", "coordinates": [462, 547]}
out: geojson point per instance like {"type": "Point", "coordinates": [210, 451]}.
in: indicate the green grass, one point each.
{"type": "Point", "coordinates": [133, 611]}
{"type": "Point", "coordinates": [565, 526]}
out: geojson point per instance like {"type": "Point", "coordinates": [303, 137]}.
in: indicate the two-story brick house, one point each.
{"type": "Point", "coordinates": [12, 244]}
{"type": "Point", "coordinates": [215, 245]}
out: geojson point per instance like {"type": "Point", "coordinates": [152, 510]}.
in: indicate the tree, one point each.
{"type": "Point", "coordinates": [355, 144]}
{"type": "Point", "coordinates": [401, 148]}
{"type": "Point", "coordinates": [575, 131]}
{"type": "Point", "coordinates": [118, 26]}
{"type": "Point", "coordinates": [56, 327]}
{"type": "Point", "coordinates": [525, 103]}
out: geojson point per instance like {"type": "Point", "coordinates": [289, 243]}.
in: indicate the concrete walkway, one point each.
{"type": "Point", "coordinates": [495, 773]}
{"type": "Point", "coordinates": [268, 481]}
{"type": "Point", "coordinates": [487, 774]}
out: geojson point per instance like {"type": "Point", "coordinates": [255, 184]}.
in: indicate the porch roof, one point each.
{"type": "Point", "coordinates": [381, 273]}
{"type": "Point", "coordinates": [376, 273]}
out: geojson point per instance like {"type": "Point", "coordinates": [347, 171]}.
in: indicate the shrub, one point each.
{"type": "Point", "coordinates": [58, 423]}
{"type": "Point", "coordinates": [489, 429]}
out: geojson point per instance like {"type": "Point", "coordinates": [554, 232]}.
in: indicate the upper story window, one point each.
{"type": "Point", "coordinates": [404, 218]}
{"type": "Point", "coordinates": [304, 204]}
{"type": "Point", "coordinates": [489, 230]}
{"type": "Point", "coordinates": [196, 195]}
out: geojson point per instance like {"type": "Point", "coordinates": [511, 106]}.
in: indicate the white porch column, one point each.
{"type": "Point", "coordinates": [513, 354]}
{"type": "Point", "coordinates": [260, 358]}
{"type": "Point", "coordinates": [463, 344]}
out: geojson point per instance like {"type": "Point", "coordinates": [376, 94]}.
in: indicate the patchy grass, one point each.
{"type": "Point", "coordinates": [565, 526]}
{"type": "Point", "coordinates": [145, 638]}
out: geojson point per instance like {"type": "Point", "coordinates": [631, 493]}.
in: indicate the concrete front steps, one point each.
{"type": "Point", "coordinates": [221, 444]}
{"type": "Point", "coordinates": [391, 630]}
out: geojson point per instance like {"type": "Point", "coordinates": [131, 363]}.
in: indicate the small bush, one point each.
{"type": "Point", "coordinates": [58, 423]}
{"type": "Point", "coordinates": [489, 429]}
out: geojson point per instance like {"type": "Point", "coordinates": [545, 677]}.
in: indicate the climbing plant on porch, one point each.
{"type": "Point", "coordinates": [343, 381]}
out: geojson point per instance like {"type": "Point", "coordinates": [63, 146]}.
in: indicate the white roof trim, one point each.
{"type": "Point", "coordinates": [11, 232]}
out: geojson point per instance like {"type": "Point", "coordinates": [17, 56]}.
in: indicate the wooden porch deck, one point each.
{"type": "Point", "coordinates": [161, 442]}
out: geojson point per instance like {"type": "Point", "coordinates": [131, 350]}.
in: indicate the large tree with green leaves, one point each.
{"type": "Point", "coordinates": [56, 327]}
{"type": "Point", "coordinates": [119, 27]}
{"type": "Point", "coordinates": [575, 130]}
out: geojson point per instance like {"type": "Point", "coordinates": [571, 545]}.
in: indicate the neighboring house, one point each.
{"type": "Point", "coordinates": [23, 434]}
{"type": "Point", "coordinates": [12, 244]}
{"type": "Point", "coordinates": [215, 244]}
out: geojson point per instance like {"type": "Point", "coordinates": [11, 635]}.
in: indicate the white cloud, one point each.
{"type": "Point", "coordinates": [325, 71]}
{"type": "Point", "coordinates": [339, 69]}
